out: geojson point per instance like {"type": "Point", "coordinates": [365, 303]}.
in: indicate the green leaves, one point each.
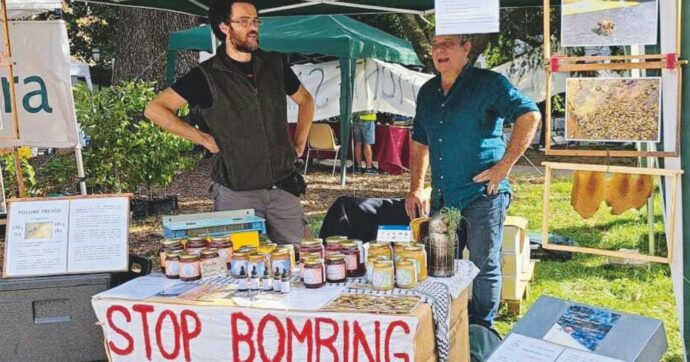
{"type": "Point", "coordinates": [125, 150]}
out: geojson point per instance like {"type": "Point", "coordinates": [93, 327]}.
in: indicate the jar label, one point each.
{"type": "Point", "coordinates": [335, 272]}
{"type": "Point", "coordinates": [351, 262]}
{"type": "Point", "coordinates": [260, 267]}
{"type": "Point", "coordinates": [212, 267]}
{"type": "Point", "coordinates": [405, 277]}
{"type": "Point", "coordinates": [225, 254]}
{"type": "Point", "coordinates": [172, 268]}
{"type": "Point", "coordinates": [282, 265]}
{"type": "Point", "coordinates": [383, 279]}
{"type": "Point", "coordinates": [313, 276]}
{"type": "Point", "coordinates": [237, 266]}
{"type": "Point", "coordinates": [189, 270]}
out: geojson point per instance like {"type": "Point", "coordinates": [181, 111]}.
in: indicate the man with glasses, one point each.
{"type": "Point", "coordinates": [241, 93]}
{"type": "Point", "coordinates": [458, 130]}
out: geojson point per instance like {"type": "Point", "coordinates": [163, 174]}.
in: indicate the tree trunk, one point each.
{"type": "Point", "coordinates": [142, 42]}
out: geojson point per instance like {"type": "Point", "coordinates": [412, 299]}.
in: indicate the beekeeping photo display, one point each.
{"type": "Point", "coordinates": [613, 109]}
{"type": "Point", "coordinates": [608, 22]}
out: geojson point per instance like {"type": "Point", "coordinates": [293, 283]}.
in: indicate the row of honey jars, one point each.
{"type": "Point", "coordinates": [249, 257]}
{"type": "Point", "coordinates": [403, 250]}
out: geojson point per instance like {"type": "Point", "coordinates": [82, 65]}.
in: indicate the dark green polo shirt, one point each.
{"type": "Point", "coordinates": [464, 131]}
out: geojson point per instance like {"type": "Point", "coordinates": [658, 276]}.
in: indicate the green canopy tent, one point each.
{"type": "Point", "coordinates": [333, 35]}
{"type": "Point", "coordinates": [311, 7]}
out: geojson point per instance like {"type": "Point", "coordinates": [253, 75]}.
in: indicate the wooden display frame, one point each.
{"type": "Point", "coordinates": [7, 62]}
{"type": "Point", "coordinates": [5, 274]}
{"type": "Point", "coordinates": [562, 64]}
{"type": "Point", "coordinates": [670, 236]}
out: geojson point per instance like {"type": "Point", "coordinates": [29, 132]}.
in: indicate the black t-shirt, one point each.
{"type": "Point", "coordinates": [194, 88]}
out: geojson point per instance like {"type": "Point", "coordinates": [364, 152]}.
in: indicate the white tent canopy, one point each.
{"type": "Point", "coordinates": [22, 8]}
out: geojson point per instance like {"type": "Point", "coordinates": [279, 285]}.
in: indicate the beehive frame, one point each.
{"type": "Point", "coordinates": [674, 176]}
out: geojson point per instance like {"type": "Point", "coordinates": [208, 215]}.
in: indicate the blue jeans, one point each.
{"type": "Point", "coordinates": [364, 132]}
{"type": "Point", "coordinates": [481, 231]}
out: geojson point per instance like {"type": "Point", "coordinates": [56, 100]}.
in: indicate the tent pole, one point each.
{"type": "Point", "coordinates": [80, 169]}
{"type": "Point", "coordinates": [347, 76]}
{"type": "Point", "coordinates": [684, 12]}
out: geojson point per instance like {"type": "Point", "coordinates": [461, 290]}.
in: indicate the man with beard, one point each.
{"type": "Point", "coordinates": [240, 93]}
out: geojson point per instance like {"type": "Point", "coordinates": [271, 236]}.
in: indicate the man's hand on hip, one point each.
{"type": "Point", "coordinates": [416, 204]}
{"type": "Point", "coordinates": [209, 143]}
{"type": "Point", "coordinates": [493, 177]}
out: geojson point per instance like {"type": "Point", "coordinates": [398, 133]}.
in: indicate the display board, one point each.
{"type": "Point", "coordinates": [623, 25]}
{"type": "Point", "coordinates": [52, 236]}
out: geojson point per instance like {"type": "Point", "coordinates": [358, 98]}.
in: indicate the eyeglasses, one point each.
{"type": "Point", "coordinates": [246, 22]}
{"type": "Point", "coordinates": [444, 45]}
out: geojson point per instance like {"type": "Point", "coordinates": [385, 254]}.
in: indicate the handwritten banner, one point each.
{"type": "Point", "coordinates": [138, 331]}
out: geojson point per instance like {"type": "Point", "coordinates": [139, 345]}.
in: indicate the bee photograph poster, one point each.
{"type": "Point", "coordinates": [606, 22]}
{"type": "Point", "coordinates": [613, 109]}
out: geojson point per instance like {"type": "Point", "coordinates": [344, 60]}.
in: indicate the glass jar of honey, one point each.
{"type": "Point", "coordinates": [405, 274]}
{"type": "Point", "coordinates": [353, 260]}
{"type": "Point", "coordinates": [189, 268]}
{"type": "Point", "coordinates": [380, 249]}
{"type": "Point", "coordinates": [383, 275]}
{"type": "Point", "coordinates": [256, 261]}
{"type": "Point", "coordinates": [333, 247]}
{"type": "Point", "coordinates": [168, 246]}
{"type": "Point", "coordinates": [311, 246]}
{"type": "Point", "coordinates": [335, 268]}
{"type": "Point", "coordinates": [418, 255]}
{"type": "Point", "coordinates": [239, 262]}
{"type": "Point", "coordinates": [224, 245]}
{"type": "Point", "coordinates": [172, 271]}
{"type": "Point", "coordinates": [195, 244]}
{"type": "Point", "coordinates": [313, 273]}
{"type": "Point", "coordinates": [280, 259]}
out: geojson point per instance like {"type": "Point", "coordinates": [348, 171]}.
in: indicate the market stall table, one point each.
{"type": "Point", "coordinates": [154, 318]}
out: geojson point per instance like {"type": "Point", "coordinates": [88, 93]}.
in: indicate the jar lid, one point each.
{"type": "Point", "coordinates": [270, 245]}
{"type": "Point", "coordinates": [281, 252]}
{"type": "Point", "coordinates": [333, 241]}
{"type": "Point", "coordinates": [240, 254]}
{"type": "Point", "coordinates": [220, 239]}
{"type": "Point", "coordinates": [335, 257]}
{"type": "Point", "coordinates": [189, 257]}
{"type": "Point", "coordinates": [312, 261]}
{"type": "Point", "coordinates": [404, 262]}
{"type": "Point", "coordinates": [256, 257]}
{"type": "Point", "coordinates": [247, 249]}
{"type": "Point", "coordinates": [383, 263]}
{"type": "Point", "coordinates": [316, 240]}
{"type": "Point", "coordinates": [196, 238]}
{"type": "Point", "coordinates": [173, 255]}
{"type": "Point", "coordinates": [349, 244]}
{"type": "Point", "coordinates": [209, 251]}
{"type": "Point", "coordinates": [336, 238]}
{"type": "Point", "coordinates": [167, 243]}
{"type": "Point", "coordinates": [310, 243]}
{"type": "Point", "coordinates": [413, 248]}
{"type": "Point", "coordinates": [379, 244]}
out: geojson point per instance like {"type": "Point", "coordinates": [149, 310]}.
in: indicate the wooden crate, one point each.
{"type": "Point", "coordinates": [516, 288]}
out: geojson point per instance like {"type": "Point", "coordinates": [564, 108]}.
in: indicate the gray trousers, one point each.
{"type": "Point", "coordinates": [282, 210]}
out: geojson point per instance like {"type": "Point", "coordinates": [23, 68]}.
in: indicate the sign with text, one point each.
{"type": "Point", "coordinates": [394, 233]}
{"type": "Point", "coordinates": [44, 101]}
{"type": "Point", "coordinates": [467, 16]}
{"type": "Point", "coordinates": [139, 331]}
{"type": "Point", "coordinates": [66, 235]}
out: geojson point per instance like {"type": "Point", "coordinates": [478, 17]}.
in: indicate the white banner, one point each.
{"type": "Point", "coordinates": [23, 8]}
{"type": "Point", "coordinates": [42, 81]}
{"type": "Point", "coordinates": [140, 331]}
{"type": "Point", "coordinates": [379, 86]}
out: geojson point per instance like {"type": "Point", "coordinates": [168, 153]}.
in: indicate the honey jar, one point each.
{"type": "Point", "coordinates": [418, 255]}
{"type": "Point", "coordinates": [405, 274]}
{"type": "Point", "coordinates": [335, 268]}
{"type": "Point", "coordinates": [189, 268]}
{"type": "Point", "coordinates": [239, 262]}
{"type": "Point", "coordinates": [313, 273]}
{"type": "Point", "coordinates": [281, 259]}
{"type": "Point", "coordinates": [167, 246]}
{"type": "Point", "coordinates": [195, 244]}
{"type": "Point", "coordinates": [383, 275]}
{"type": "Point", "coordinates": [172, 271]}
{"type": "Point", "coordinates": [224, 245]}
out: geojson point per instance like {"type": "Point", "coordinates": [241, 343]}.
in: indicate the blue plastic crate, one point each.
{"type": "Point", "coordinates": [212, 223]}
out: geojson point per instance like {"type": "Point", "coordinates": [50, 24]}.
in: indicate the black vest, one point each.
{"type": "Point", "coordinates": [248, 123]}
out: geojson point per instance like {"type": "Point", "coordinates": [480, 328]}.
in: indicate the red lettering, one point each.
{"type": "Point", "coordinates": [359, 337]}
{"type": "Point", "coordinates": [130, 341]}
{"type": "Point", "coordinates": [281, 338]}
{"type": "Point", "coordinates": [301, 336]}
{"type": "Point", "coordinates": [237, 337]}
{"type": "Point", "coordinates": [326, 342]}
{"type": "Point", "coordinates": [145, 309]}
{"type": "Point", "coordinates": [188, 335]}
{"type": "Point", "coordinates": [377, 335]}
{"type": "Point", "coordinates": [176, 332]}
{"type": "Point", "coordinates": [346, 341]}
{"type": "Point", "coordinates": [389, 332]}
